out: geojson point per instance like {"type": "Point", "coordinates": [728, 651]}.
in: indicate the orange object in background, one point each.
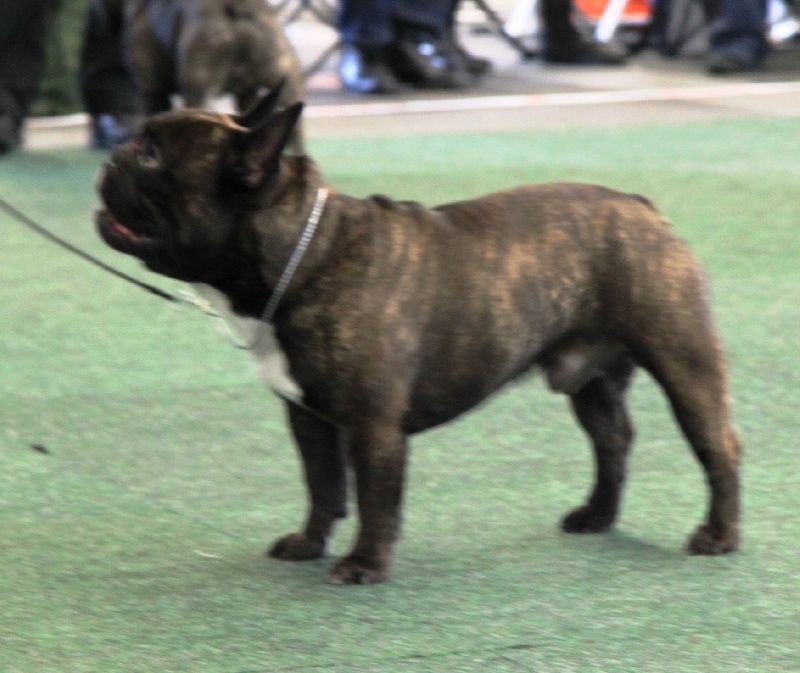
{"type": "Point", "coordinates": [636, 11]}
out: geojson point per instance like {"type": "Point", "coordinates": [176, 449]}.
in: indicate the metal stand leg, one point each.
{"type": "Point", "coordinates": [322, 10]}
{"type": "Point", "coordinates": [609, 21]}
{"type": "Point", "coordinates": [523, 21]}
{"type": "Point", "coordinates": [322, 59]}
{"type": "Point", "coordinates": [499, 26]}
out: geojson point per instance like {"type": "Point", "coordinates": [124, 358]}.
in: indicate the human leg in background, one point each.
{"type": "Point", "coordinates": [738, 35]}
{"type": "Point", "coordinates": [389, 42]}
{"type": "Point", "coordinates": [23, 27]}
{"type": "Point", "coordinates": [563, 43]}
{"type": "Point", "coordinates": [421, 55]}
{"type": "Point", "coordinates": [107, 86]}
{"type": "Point", "coordinates": [474, 65]}
{"type": "Point", "coordinates": [367, 34]}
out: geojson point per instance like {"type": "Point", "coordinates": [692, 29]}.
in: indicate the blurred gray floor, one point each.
{"type": "Point", "coordinates": [519, 94]}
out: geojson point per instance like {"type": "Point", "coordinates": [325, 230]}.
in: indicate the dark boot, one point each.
{"type": "Point", "coordinates": [10, 133]}
{"type": "Point", "coordinates": [474, 65]}
{"type": "Point", "coordinates": [420, 58]}
{"type": "Point", "coordinates": [366, 70]}
{"type": "Point", "coordinates": [11, 114]}
{"type": "Point", "coordinates": [109, 130]}
{"type": "Point", "coordinates": [564, 44]}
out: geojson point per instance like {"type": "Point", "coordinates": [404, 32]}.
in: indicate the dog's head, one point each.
{"type": "Point", "coordinates": [174, 195]}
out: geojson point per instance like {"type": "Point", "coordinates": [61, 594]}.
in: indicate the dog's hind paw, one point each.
{"type": "Point", "coordinates": [709, 540]}
{"type": "Point", "coordinates": [355, 569]}
{"type": "Point", "coordinates": [587, 519]}
{"type": "Point", "coordinates": [297, 547]}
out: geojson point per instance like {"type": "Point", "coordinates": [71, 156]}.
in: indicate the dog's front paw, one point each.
{"type": "Point", "coordinates": [587, 519]}
{"type": "Point", "coordinates": [708, 540]}
{"type": "Point", "coordinates": [297, 547]}
{"type": "Point", "coordinates": [357, 569]}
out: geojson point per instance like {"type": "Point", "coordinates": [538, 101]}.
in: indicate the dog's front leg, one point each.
{"type": "Point", "coordinates": [325, 465]}
{"type": "Point", "coordinates": [378, 453]}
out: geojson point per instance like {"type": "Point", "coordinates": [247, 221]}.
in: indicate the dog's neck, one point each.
{"type": "Point", "coordinates": [267, 237]}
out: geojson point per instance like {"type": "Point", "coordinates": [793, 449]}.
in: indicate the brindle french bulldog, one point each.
{"type": "Point", "coordinates": [202, 49]}
{"type": "Point", "coordinates": [401, 317]}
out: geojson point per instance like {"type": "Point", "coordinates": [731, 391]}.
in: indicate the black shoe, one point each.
{"type": "Point", "coordinates": [579, 51]}
{"type": "Point", "coordinates": [477, 66]}
{"type": "Point", "coordinates": [730, 62]}
{"type": "Point", "coordinates": [108, 130]}
{"type": "Point", "coordinates": [420, 59]}
{"type": "Point", "coordinates": [10, 133]}
{"type": "Point", "coordinates": [365, 70]}
{"type": "Point", "coordinates": [474, 65]}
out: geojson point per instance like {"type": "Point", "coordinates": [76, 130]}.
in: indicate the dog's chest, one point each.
{"type": "Point", "coordinates": [259, 338]}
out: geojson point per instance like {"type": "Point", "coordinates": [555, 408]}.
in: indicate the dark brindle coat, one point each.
{"type": "Point", "coordinates": [401, 317]}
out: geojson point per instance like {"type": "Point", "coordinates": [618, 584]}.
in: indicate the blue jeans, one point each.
{"type": "Point", "coordinates": [739, 28]}
{"type": "Point", "coordinates": [372, 23]}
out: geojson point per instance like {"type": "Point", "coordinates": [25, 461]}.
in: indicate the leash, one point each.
{"type": "Point", "coordinates": [42, 231]}
{"type": "Point", "coordinates": [186, 297]}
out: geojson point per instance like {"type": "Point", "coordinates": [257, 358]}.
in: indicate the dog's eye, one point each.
{"type": "Point", "coordinates": [149, 156]}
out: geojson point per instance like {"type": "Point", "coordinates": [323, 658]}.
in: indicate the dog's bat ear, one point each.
{"type": "Point", "coordinates": [262, 108]}
{"type": "Point", "coordinates": [259, 150]}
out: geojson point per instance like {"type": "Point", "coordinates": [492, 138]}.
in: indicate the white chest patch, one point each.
{"type": "Point", "coordinates": [273, 367]}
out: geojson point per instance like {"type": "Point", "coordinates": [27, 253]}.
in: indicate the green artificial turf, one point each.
{"type": "Point", "coordinates": [134, 544]}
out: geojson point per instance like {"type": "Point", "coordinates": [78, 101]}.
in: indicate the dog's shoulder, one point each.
{"type": "Point", "coordinates": [388, 204]}
{"type": "Point", "coordinates": [381, 210]}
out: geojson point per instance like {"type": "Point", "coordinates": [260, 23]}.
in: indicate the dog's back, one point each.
{"type": "Point", "coordinates": [574, 272]}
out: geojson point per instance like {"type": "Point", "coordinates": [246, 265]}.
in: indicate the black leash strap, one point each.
{"type": "Point", "coordinates": [39, 229]}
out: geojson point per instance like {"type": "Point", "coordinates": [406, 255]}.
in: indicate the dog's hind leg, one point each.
{"type": "Point", "coordinates": [696, 386]}
{"type": "Point", "coordinates": [325, 464]}
{"type": "Point", "coordinates": [600, 408]}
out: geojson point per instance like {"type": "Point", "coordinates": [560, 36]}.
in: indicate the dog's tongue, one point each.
{"type": "Point", "coordinates": [124, 231]}
{"type": "Point", "coordinates": [121, 229]}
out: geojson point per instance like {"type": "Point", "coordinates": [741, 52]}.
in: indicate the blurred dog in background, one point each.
{"type": "Point", "coordinates": [203, 49]}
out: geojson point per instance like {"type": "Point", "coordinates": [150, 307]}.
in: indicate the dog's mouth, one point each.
{"type": "Point", "coordinates": [121, 236]}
